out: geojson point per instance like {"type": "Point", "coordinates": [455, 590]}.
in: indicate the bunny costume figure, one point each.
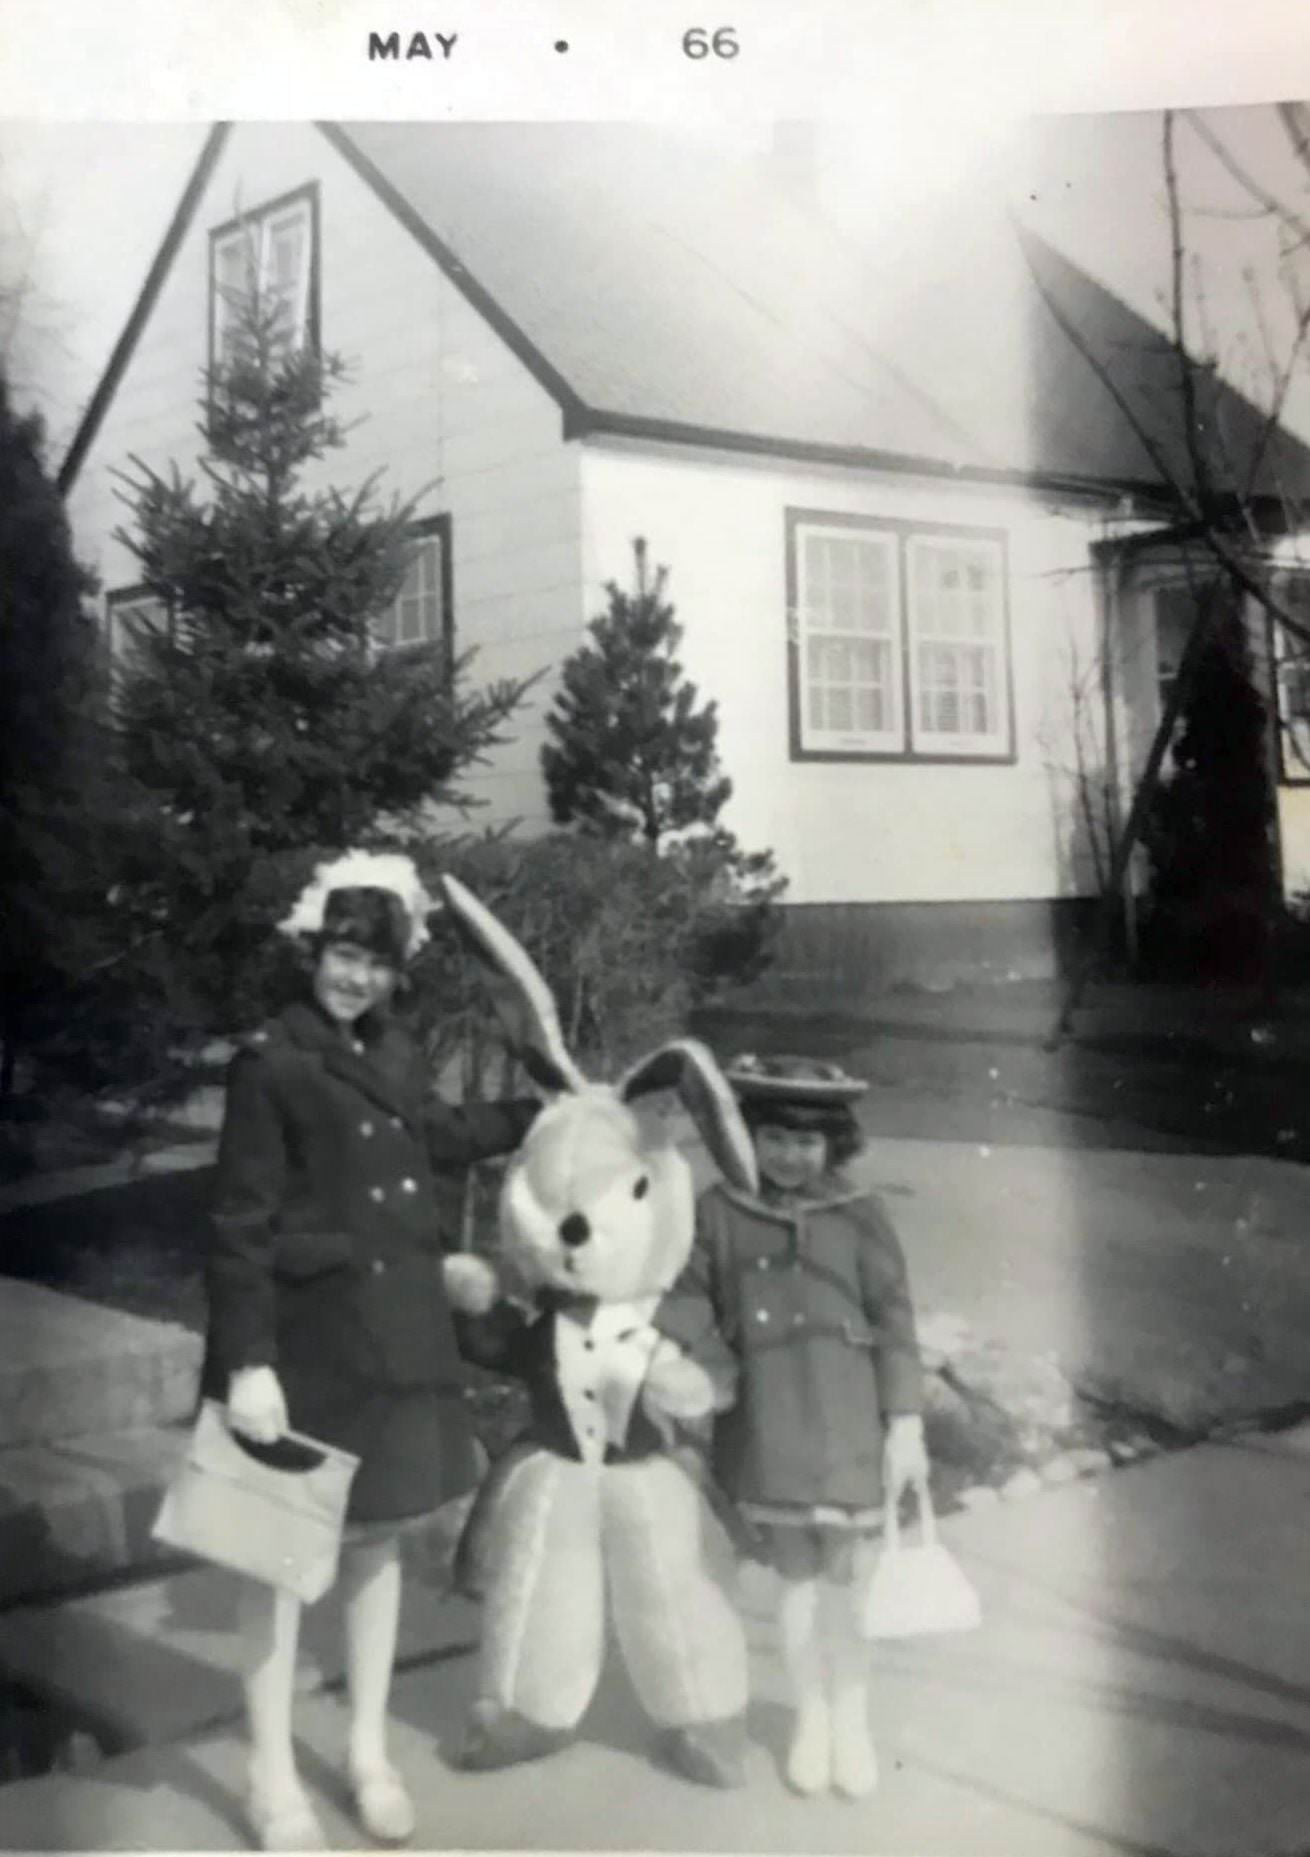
{"type": "Point", "coordinates": [593, 1509]}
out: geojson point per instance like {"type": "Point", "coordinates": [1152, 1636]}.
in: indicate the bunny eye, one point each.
{"type": "Point", "coordinates": [640, 1190]}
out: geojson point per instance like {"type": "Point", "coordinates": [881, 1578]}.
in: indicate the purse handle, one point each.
{"type": "Point", "coordinates": [927, 1518]}
{"type": "Point", "coordinates": [324, 1453]}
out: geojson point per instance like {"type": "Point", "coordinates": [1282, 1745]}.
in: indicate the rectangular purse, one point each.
{"type": "Point", "coordinates": [917, 1589]}
{"type": "Point", "coordinates": [272, 1512]}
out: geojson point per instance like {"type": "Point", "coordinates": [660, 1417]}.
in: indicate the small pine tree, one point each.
{"type": "Point", "coordinates": [634, 760]}
{"type": "Point", "coordinates": [633, 754]}
{"type": "Point", "coordinates": [261, 727]}
{"type": "Point", "coordinates": [47, 665]}
{"type": "Point", "coordinates": [1207, 832]}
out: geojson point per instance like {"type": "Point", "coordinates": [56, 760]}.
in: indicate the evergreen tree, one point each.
{"type": "Point", "coordinates": [1207, 833]}
{"type": "Point", "coordinates": [261, 728]}
{"type": "Point", "coordinates": [47, 662]}
{"type": "Point", "coordinates": [633, 754]}
{"type": "Point", "coordinates": [634, 760]}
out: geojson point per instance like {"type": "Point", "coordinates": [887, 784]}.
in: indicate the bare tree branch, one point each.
{"type": "Point", "coordinates": [1245, 179]}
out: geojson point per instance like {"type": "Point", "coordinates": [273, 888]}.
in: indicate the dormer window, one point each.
{"type": "Point", "coordinates": [272, 251]}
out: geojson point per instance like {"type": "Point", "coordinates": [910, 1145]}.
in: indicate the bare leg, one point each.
{"type": "Point", "coordinates": [370, 1583]}
{"type": "Point", "coordinates": [809, 1761]}
{"type": "Point", "coordinates": [270, 1630]}
{"type": "Point", "coordinates": [854, 1762]}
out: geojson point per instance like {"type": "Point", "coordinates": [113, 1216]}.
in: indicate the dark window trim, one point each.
{"type": "Point", "coordinates": [439, 525]}
{"type": "Point", "coordinates": [310, 192]}
{"type": "Point", "coordinates": [903, 529]}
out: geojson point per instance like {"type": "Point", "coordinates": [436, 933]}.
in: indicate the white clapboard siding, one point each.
{"type": "Point", "coordinates": [439, 397]}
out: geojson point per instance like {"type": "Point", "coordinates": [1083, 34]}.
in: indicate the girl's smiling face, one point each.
{"type": "Point", "coordinates": [350, 981]}
{"type": "Point", "coordinates": [790, 1158]}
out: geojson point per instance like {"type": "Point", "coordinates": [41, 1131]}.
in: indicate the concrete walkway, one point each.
{"type": "Point", "coordinates": [1141, 1685]}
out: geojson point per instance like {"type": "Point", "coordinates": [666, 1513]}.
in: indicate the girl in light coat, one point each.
{"type": "Point", "coordinates": [806, 1283]}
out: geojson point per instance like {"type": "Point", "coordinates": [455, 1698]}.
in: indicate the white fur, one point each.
{"type": "Point", "coordinates": [363, 870]}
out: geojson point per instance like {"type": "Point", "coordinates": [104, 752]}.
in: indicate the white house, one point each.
{"type": "Point", "coordinates": [887, 497]}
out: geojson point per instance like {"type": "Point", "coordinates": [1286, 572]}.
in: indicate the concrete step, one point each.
{"type": "Point", "coordinates": [71, 1369]}
{"type": "Point", "coordinates": [79, 1513]}
{"type": "Point", "coordinates": [156, 1661]}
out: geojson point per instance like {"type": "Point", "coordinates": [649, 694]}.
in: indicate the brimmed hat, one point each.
{"type": "Point", "coordinates": [800, 1080]}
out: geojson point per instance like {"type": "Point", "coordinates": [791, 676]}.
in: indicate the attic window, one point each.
{"type": "Point", "coordinates": [899, 640]}
{"type": "Point", "coordinates": [422, 613]}
{"type": "Point", "coordinates": [272, 253]}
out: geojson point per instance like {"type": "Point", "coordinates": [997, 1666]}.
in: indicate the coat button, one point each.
{"type": "Point", "coordinates": [379, 1267]}
{"type": "Point", "coordinates": [798, 1320]}
{"type": "Point", "coordinates": [764, 1263]}
{"type": "Point", "coordinates": [377, 1194]}
{"type": "Point", "coordinates": [396, 1122]}
{"type": "Point", "coordinates": [761, 1315]}
{"type": "Point", "coordinates": [409, 1186]}
{"type": "Point", "coordinates": [366, 1129]}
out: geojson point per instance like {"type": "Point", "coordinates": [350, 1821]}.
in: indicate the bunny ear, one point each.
{"type": "Point", "coordinates": [688, 1067]}
{"type": "Point", "coordinates": [519, 994]}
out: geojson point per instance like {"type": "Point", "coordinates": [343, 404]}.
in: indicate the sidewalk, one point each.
{"type": "Point", "coordinates": [1139, 1686]}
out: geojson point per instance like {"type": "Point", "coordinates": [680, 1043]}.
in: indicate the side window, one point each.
{"type": "Point", "coordinates": [422, 613]}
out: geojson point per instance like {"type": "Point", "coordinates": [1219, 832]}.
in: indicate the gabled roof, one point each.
{"type": "Point", "coordinates": [663, 290]}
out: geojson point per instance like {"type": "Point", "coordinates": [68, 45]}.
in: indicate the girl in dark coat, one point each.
{"type": "Point", "coordinates": [327, 1311]}
{"type": "Point", "coordinates": [807, 1285]}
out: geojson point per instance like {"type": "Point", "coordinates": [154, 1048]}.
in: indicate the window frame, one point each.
{"type": "Point", "coordinates": [1293, 769]}
{"type": "Point", "coordinates": [916, 745]}
{"type": "Point", "coordinates": [308, 195]}
{"type": "Point", "coordinates": [117, 668]}
{"type": "Point", "coordinates": [441, 527]}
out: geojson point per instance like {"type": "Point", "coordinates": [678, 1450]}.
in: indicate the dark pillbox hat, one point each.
{"type": "Point", "coordinates": [372, 918]}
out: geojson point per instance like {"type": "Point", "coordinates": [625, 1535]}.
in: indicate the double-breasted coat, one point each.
{"type": "Point", "coordinates": [813, 1300]}
{"type": "Point", "coordinates": [326, 1249]}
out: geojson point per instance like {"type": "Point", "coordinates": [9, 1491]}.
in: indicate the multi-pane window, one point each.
{"type": "Point", "coordinates": [899, 640]}
{"type": "Point", "coordinates": [133, 616]}
{"type": "Point", "coordinates": [268, 254]}
{"type": "Point", "coordinates": [130, 616]}
{"type": "Point", "coordinates": [956, 611]}
{"type": "Point", "coordinates": [850, 638]}
{"type": "Point", "coordinates": [1175, 616]}
{"type": "Point", "coordinates": [1292, 662]}
{"type": "Point", "coordinates": [421, 613]}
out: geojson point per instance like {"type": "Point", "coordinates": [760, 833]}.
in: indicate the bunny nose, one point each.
{"type": "Point", "coordinates": [574, 1230]}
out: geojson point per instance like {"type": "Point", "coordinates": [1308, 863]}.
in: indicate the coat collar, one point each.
{"type": "Point", "coordinates": [376, 1061]}
{"type": "Point", "coordinates": [832, 1190]}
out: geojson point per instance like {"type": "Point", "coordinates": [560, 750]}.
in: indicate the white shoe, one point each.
{"type": "Point", "coordinates": [854, 1761]}
{"type": "Point", "coordinates": [383, 1804]}
{"type": "Point", "coordinates": [809, 1760]}
{"type": "Point", "coordinates": [284, 1821]}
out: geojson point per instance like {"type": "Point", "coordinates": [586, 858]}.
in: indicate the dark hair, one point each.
{"type": "Point", "coordinates": [371, 918]}
{"type": "Point", "coordinates": [834, 1121]}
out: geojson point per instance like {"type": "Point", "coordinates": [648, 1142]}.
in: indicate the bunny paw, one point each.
{"type": "Point", "coordinates": [471, 1283]}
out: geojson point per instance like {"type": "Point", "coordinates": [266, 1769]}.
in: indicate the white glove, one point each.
{"type": "Point", "coordinates": [676, 1386]}
{"type": "Point", "coordinates": [256, 1406]}
{"type": "Point", "coordinates": [472, 1284]}
{"type": "Point", "coordinates": [904, 1456]}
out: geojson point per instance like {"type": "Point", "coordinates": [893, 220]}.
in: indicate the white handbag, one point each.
{"type": "Point", "coordinates": [272, 1512]}
{"type": "Point", "coordinates": [917, 1590]}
